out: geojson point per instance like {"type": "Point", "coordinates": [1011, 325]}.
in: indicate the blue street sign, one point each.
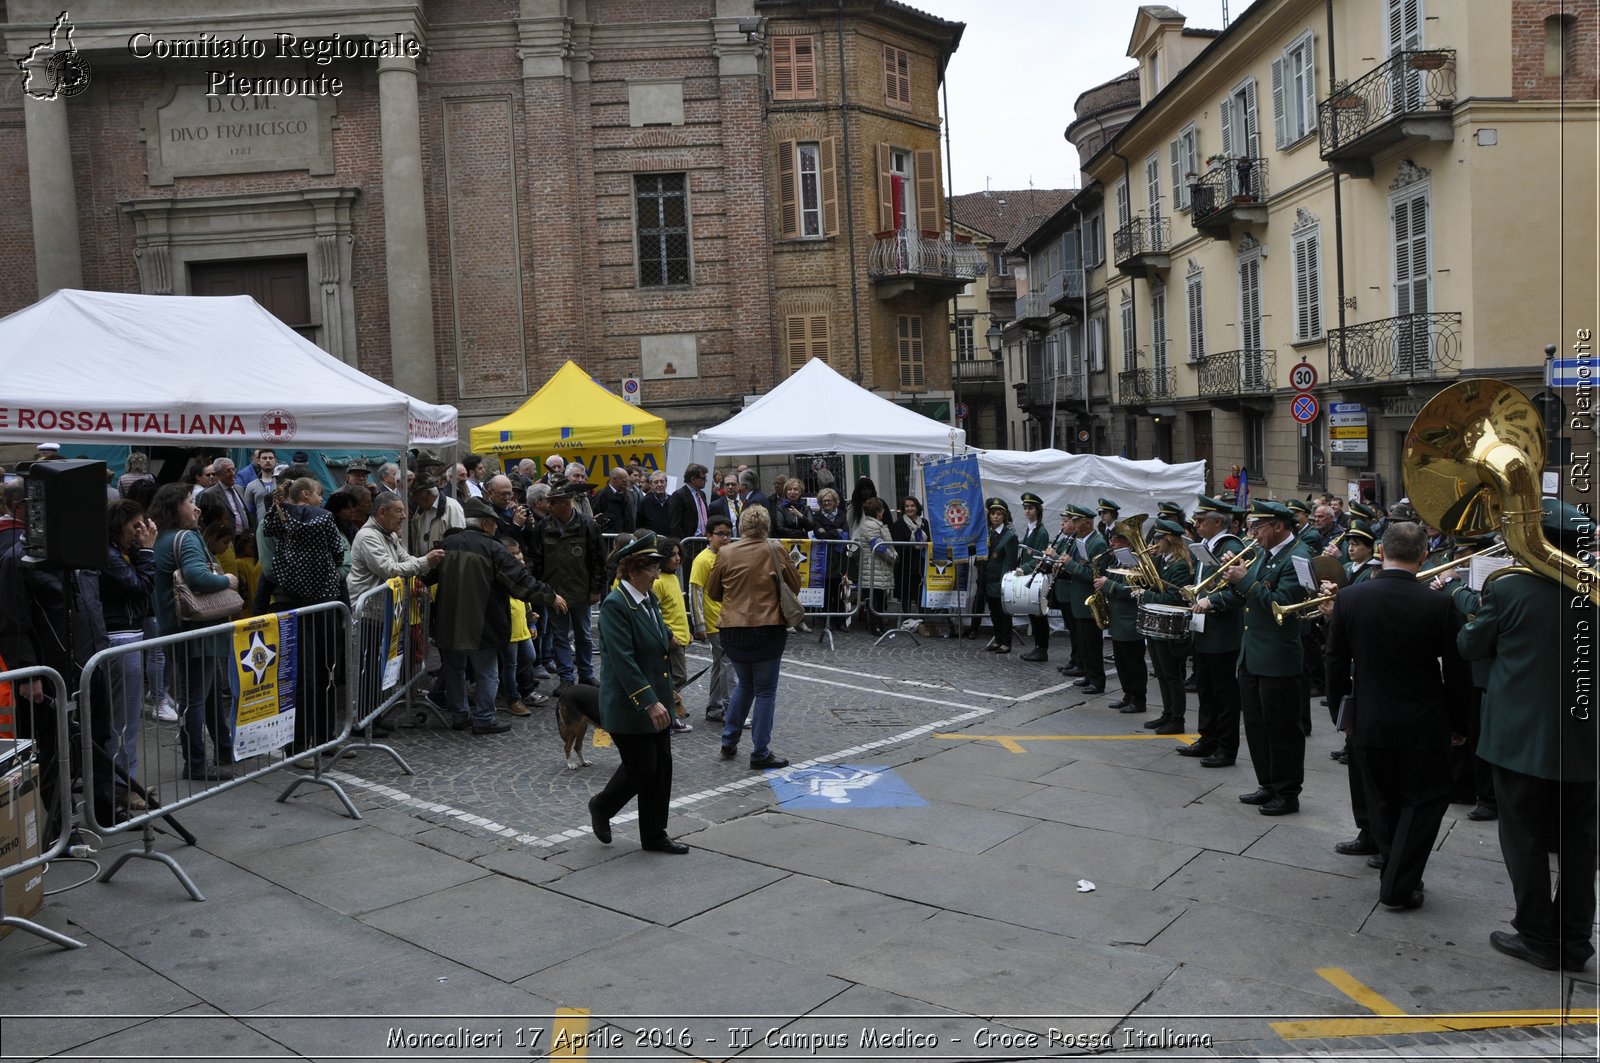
{"type": "Point", "coordinates": [1568, 372]}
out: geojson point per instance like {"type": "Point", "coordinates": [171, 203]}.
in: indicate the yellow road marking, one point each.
{"type": "Point", "coordinates": [569, 1033]}
{"type": "Point", "coordinates": [1013, 742]}
{"type": "Point", "coordinates": [601, 738]}
{"type": "Point", "coordinates": [1390, 1018]}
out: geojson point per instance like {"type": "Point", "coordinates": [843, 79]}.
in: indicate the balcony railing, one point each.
{"type": "Point", "coordinates": [1033, 309]}
{"type": "Point", "coordinates": [1225, 192]}
{"type": "Point", "coordinates": [1064, 287]}
{"type": "Point", "coordinates": [1408, 84]}
{"type": "Point", "coordinates": [1408, 347]}
{"type": "Point", "coordinates": [1136, 387]}
{"type": "Point", "coordinates": [975, 370]}
{"type": "Point", "coordinates": [1142, 236]}
{"type": "Point", "coordinates": [1251, 371]}
{"type": "Point", "coordinates": [1067, 388]}
{"type": "Point", "coordinates": [909, 253]}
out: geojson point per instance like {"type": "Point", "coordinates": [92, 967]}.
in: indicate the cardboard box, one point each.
{"type": "Point", "coordinates": [21, 821]}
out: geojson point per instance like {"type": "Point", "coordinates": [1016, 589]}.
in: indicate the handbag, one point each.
{"type": "Point", "coordinates": [794, 614]}
{"type": "Point", "coordinates": [200, 608]}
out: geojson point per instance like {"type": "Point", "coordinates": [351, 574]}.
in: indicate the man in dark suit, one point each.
{"type": "Point", "coordinates": [722, 504]}
{"type": "Point", "coordinates": [1079, 574]}
{"type": "Point", "coordinates": [226, 490]}
{"type": "Point", "coordinates": [655, 510]}
{"type": "Point", "coordinates": [1270, 660]}
{"type": "Point", "coordinates": [687, 508]}
{"type": "Point", "coordinates": [1539, 737]}
{"type": "Point", "coordinates": [614, 508]}
{"type": "Point", "coordinates": [1216, 648]}
{"type": "Point", "coordinates": [748, 494]}
{"type": "Point", "coordinates": [1406, 715]}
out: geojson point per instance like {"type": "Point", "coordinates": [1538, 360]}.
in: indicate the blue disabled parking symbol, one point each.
{"type": "Point", "coordinates": [844, 786]}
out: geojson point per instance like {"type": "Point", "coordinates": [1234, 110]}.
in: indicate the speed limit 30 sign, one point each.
{"type": "Point", "coordinates": [1303, 377]}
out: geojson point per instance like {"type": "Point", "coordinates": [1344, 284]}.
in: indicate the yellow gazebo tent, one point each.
{"type": "Point", "coordinates": [580, 420]}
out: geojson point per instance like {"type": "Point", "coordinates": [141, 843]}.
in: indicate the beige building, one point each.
{"type": "Point", "coordinates": [1385, 194]}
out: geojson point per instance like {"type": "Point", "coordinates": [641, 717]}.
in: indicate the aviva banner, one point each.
{"type": "Point", "coordinates": [810, 557]}
{"type": "Point", "coordinates": [264, 659]}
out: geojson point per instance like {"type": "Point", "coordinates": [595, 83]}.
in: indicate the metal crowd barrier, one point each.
{"type": "Point", "coordinates": [389, 644]}
{"type": "Point", "coordinates": [27, 772]}
{"type": "Point", "coordinates": [228, 681]}
{"type": "Point", "coordinates": [824, 597]}
{"type": "Point", "coordinates": [958, 607]}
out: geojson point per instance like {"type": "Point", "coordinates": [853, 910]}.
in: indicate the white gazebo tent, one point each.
{"type": "Point", "coordinates": [1058, 477]}
{"type": "Point", "coordinates": [105, 367]}
{"type": "Point", "coordinates": [816, 409]}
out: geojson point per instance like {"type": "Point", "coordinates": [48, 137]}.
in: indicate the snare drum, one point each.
{"type": "Point", "coordinates": [1025, 595]}
{"type": "Point", "coordinates": [1170, 623]}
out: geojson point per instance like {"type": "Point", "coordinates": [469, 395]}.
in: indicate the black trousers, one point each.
{"type": "Point", "coordinates": [645, 773]}
{"type": "Point", "coordinates": [1408, 792]}
{"type": "Point", "coordinates": [1358, 794]}
{"type": "Point", "coordinates": [1039, 631]}
{"type": "Point", "coordinates": [1166, 655]}
{"type": "Point", "coordinates": [1076, 657]}
{"type": "Point", "coordinates": [1471, 777]}
{"type": "Point", "coordinates": [1216, 674]}
{"type": "Point", "coordinates": [1270, 708]}
{"type": "Point", "coordinates": [1128, 657]}
{"type": "Point", "coordinates": [1528, 807]}
{"type": "Point", "coordinates": [999, 618]}
{"type": "Point", "coordinates": [1091, 653]}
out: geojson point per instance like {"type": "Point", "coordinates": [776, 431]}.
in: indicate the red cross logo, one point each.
{"type": "Point", "coordinates": [278, 426]}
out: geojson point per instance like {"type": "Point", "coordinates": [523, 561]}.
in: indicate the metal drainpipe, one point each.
{"type": "Point", "coordinates": [1083, 275]}
{"type": "Point", "coordinates": [849, 196]}
{"type": "Point", "coordinates": [1338, 212]}
{"type": "Point", "coordinates": [950, 219]}
{"type": "Point", "coordinates": [1127, 182]}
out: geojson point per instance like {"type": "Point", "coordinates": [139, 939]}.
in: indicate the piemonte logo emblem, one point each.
{"type": "Point", "coordinates": [65, 73]}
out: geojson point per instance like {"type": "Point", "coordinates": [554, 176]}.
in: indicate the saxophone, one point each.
{"type": "Point", "coordinates": [1099, 607]}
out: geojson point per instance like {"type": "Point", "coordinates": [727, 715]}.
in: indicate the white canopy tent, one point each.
{"type": "Point", "coordinates": [106, 367]}
{"type": "Point", "coordinates": [1058, 478]}
{"type": "Point", "coordinates": [816, 409]}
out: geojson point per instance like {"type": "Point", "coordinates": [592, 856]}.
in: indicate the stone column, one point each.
{"type": "Point", "coordinates": [405, 231]}
{"type": "Point", "coordinates": [57, 260]}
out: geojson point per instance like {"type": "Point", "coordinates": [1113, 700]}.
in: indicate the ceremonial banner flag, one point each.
{"type": "Point", "coordinates": [262, 676]}
{"type": "Point", "coordinates": [810, 559]}
{"type": "Point", "coordinates": [1242, 500]}
{"type": "Point", "coordinates": [956, 520]}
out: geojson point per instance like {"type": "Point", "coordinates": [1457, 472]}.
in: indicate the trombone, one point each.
{"type": "Point", "coordinates": [1191, 594]}
{"type": "Point", "coordinates": [1281, 611]}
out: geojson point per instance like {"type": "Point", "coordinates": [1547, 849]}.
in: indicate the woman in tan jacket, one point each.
{"type": "Point", "coordinates": [745, 580]}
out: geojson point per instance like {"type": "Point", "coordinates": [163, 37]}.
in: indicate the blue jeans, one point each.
{"type": "Point", "coordinates": [155, 665]}
{"type": "Point", "coordinates": [545, 641]}
{"type": "Point", "coordinates": [516, 667]}
{"type": "Point", "coordinates": [483, 666]}
{"type": "Point", "coordinates": [572, 630]}
{"type": "Point", "coordinates": [204, 704]}
{"type": "Point", "coordinates": [755, 693]}
{"type": "Point", "coordinates": [127, 694]}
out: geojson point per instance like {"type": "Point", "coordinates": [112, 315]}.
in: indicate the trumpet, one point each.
{"type": "Point", "coordinates": [1191, 594]}
{"type": "Point", "coordinates": [1281, 611]}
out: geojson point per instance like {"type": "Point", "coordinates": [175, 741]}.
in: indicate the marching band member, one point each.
{"type": "Point", "coordinates": [1062, 546]}
{"type": "Point", "coordinates": [1216, 646]}
{"type": "Point", "coordinates": [1109, 513]}
{"type": "Point", "coordinates": [1270, 661]}
{"type": "Point", "coordinates": [1002, 559]}
{"type": "Point", "coordinates": [1172, 557]}
{"type": "Point", "coordinates": [1035, 539]}
{"type": "Point", "coordinates": [1082, 571]}
{"type": "Point", "coordinates": [1303, 529]}
{"type": "Point", "coordinates": [1127, 645]}
{"type": "Point", "coordinates": [1473, 778]}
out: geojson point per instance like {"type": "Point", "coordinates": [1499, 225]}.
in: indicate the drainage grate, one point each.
{"type": "Point", "coordinates": [877, 716]}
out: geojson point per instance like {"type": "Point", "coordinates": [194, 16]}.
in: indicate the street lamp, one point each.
{"type": "Point", "coordinates": [993, 338]}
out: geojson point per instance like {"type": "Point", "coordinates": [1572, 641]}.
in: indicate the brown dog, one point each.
{"type": "Point", "coordinates": [577, 706]}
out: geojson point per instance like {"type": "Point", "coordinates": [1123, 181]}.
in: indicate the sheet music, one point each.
{"type": "Point", "coordinates": [1082, 547]}
{"type": "Point", "coordinates": [1197, 622]}
{"type": "Point", "coordinates": [1125, 558]}
{"type": "Point", "coordinates": [1303, 573]}
{"type": "Point", "coordinates": [1202, 553]}
{"type": "Point", "coordinates": [1481, 567]}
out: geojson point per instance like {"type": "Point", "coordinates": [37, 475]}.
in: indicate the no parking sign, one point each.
{"type": "Point", "coordinates": [1304, 408]}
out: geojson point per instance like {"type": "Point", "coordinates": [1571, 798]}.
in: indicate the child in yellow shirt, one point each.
{"type": "Point", "coordinates": [675, 613]}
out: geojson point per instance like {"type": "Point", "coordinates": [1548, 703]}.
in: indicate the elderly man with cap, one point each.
{"type": "Point", "coordinates": [1539, 738]}
{"type": "Point", "coordinates": [478, 577]}
{"type": "Point", "coordinates": [565, 549]}
{"type": "Point", "coordinates": [1090, 558]}
{"type": "Point", "coordinates": [1002, 559]}
{"type": "Point", "coordinates": [1032, 543]}
{"type": "Point", "coordinates": [1270, 660]}
{"type": "Point", "coordinates": [1304, 530]}
{"type": "Point", "coordinates": [636, 699]}
{"type": "Point", "coordinates": [555, 471]}
{"type": "Point", "coordinates": [1216, 644]}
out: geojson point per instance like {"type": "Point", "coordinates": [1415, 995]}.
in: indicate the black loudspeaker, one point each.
{"type": "Point", "coordinates": [66, 514]}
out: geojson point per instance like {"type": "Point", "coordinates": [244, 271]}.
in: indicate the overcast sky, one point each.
{"type": "Point", "coordinates": [1020, 66]}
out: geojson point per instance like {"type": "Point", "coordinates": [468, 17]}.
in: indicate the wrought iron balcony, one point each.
{"type": "Point", "coordinates": [1033, 311]}
{"type": "Point", "coordinates": [902, 259]}
{"type": "Point", "coordinates": [1065, 290]}
{"type": "Point", "coordinates": [1064, 391]}
{"type": "Point", "coordinates": [1230, 374]}
{"type": "Point", "coordinates": [1233, 192]}
{"type": "Point", "coordinates": [977, 370]}
{"type": "Point", "coordinates": [1408, 97]}
{"type": "Point", "coordinates": [1408, 347]}
{"type": "Point", "coordinates": [1140, 387]}
{"type": "Point", "coordinates": [1143, 245]}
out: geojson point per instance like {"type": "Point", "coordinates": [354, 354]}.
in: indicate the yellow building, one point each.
{"type": "Point", "coordinates": [1389, 193]}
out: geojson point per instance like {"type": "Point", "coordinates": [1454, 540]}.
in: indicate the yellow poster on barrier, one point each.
{"type": "Point", "coordinates": [810, 559]}
{"type": "Point", "coordinates": [394, 629]}
{"type": "Point", "coordinates": [946, 584]}
{"type": "Point", "coordinates": [263, 673]}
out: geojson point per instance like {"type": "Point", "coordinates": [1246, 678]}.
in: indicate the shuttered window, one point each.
{"type": "Point", "coordinates": [912, 373]}
{"type": "Point", "coordinates": [1194, 294]}
{"type": "Point", "coordinates": [908, 189]}
{"type": "Point", "coordinates": [794, 68]}
{"type": "Point", "coordinates": [1158, 335]}
{"type": "Point", "coordinates": [1307, 284]}
{"type": "Point", "coordinates": [1129, 354]}
{"type": "Point", "coordinates": [1097, 345]}
{"type": "Point", "coordinates": [1152, 185]}
{"type": "Point", "coordinates": [1241, 128]}
{"type": "Point", "coordinates": [805, 337]}
{"type": "Point", "coordinates": [896, 76]}
{"type": "Point", "coordinates": [1294, 91]}
{"type": "Point", "coordinates": [1412, 279]}
{"type": "Point", "coordinates": [808, 196]}
{"type": "Point", "coordinates": [1183, 157]}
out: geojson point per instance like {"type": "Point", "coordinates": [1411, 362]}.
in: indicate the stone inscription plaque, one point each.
{"type": "Point", "coordinates": [190, 134]}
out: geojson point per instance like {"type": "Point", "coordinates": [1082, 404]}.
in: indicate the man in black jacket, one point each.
{"type": "Point", "coordinates": [477, 580]}
{"type": "Point", "coordinates": [615, 510]}
{"type": "Point", "coordinates": [1407, 713]}
{"type": "Point", "coordinates": [564, 549]}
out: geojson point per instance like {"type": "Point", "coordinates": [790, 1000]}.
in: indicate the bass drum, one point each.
{"type": "Point", "coordinates": [1025, 595]}
{"type": "Point", "coordinates": [1169, 623]}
